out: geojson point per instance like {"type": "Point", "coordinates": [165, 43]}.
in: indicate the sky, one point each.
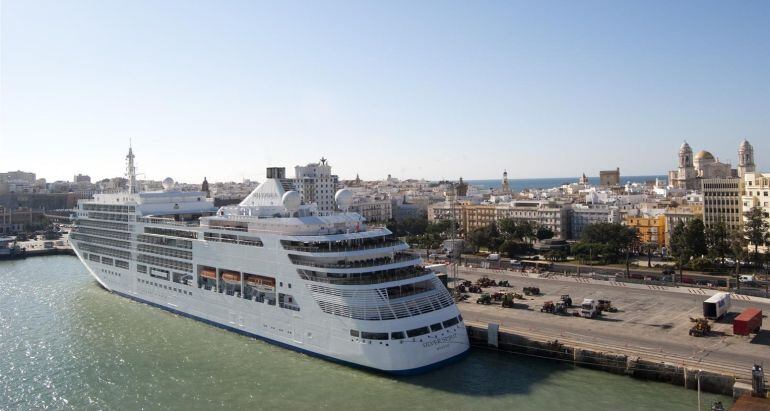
{"type": "Point", "coordinates": [425, 89]}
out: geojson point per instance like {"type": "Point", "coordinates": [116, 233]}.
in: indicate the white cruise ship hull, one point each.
{"type": "Point", "coordinates": [293, 330]}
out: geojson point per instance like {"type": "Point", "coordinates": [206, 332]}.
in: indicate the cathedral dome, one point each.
{"type": "Point", "coordinates": [704, 155]}
{"type": "Point", "coordinates": [685, 148]}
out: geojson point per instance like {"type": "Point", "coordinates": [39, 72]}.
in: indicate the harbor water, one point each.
{"type": "Point", "coordinates": [68, 344]}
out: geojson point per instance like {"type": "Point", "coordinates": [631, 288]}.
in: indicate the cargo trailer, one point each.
{"type": "Point", "coordinates": [716, 306]}
{"type": "Point", "coordinates": [747, 322]}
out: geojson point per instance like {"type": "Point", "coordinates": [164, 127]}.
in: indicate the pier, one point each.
{"type": "Point", "coordinates": [646, 338]}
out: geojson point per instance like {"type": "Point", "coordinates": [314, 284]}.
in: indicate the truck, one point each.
{"type": "Point", "coordinates": [493, 257]}
{"type": "Point", "coordinates": [589, 308]}
{"type": "Point", "coordinates": [747, 322]}
{"type": "Point", "coordinates": [716, 306]}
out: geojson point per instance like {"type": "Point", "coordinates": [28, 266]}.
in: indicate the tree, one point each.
{"type": "Point", "coordinates": [678, 246]}
{"type": "Point", "coordinates": [512, 248]}
{"type": "Point", "coordinates": [408, 227]}
{"type": "Point", "coordinates": [717, 241]}
{"type": "Point", "coordinates": [543, 233]}
{"type": "Point", "coordinates": [755, 230]}
{"type": "Point", "coordinates": [478, 238]}
{"type": "Point", "coordinates": [737, 248]}
{"type": "Point", "coordinates": [507, 227]}
{"type": "Point", "coordinates": [648, 249]}
{"type": "Point", "coordinates": [610, 241]}
{"type": "Point", "coordinates": [695, 237]}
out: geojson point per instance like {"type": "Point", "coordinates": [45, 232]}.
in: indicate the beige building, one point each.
{"type": "Point", "coordinates": [377, 208]}
{"type": "Point", "coordinates": [756, 193]}
{"type": "Point", "coordinates": [609, 178]}
{"type": "Point", "coordinates": [683, 214]}
{"type": "Point", "coordinates": [722, 202]}
{"type": "Point", "coordinates": [469, 217]}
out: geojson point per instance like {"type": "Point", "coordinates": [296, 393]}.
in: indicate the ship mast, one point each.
{"type": "Point", "coordinates": [131, 171]}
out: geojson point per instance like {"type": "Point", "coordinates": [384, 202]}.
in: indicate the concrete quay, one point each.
{"type": "Point", "coordinates": [652, 322]}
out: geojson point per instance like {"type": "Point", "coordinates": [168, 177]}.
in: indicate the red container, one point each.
{"type": "Point", "coordinates": [749, 321]}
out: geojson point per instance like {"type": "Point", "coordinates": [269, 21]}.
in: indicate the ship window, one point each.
{"type": "Point", "coordinates": [141, 268]}
{"type": "Point", "coordinates": [354, 333]}
{"type": "Point", "coordinates": [397, 335]}
{"type": "Point", "coordinates": [121, 264]}
{"type": "Point", "coordinates": [450, 322]}
{"type": "Point", "coordinates": [418, 332]}
{"type": "Point", "coordinates": [374, 336]}
{"type": "Point", "coordinates": [436, 327]}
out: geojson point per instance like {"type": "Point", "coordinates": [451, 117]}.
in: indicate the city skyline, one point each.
{"type": "Point", "coordinates": [429, 90]}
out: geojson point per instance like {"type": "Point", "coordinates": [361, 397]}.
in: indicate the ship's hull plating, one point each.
{"type": "Point", "coordinates": [328, 339]}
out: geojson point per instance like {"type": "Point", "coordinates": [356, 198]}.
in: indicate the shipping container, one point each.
{"type": "Point", "coordinates": [716, 306]}
{"type": "Point", "coordinates": [749, 321]}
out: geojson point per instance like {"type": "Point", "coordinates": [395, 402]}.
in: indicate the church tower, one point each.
{"type": "Point", "coordinates": [745, 159]}
{"type": "Point", "coordinates": [205, 187]}
{"type": "Point", "coordinates": [505, 188]}
{"type": "Point", "coordinates": [687, 175]}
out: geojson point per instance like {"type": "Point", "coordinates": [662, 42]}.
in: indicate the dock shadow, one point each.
{"type": "Point", "coordinates": [471, 375]}
{"type": "Point", "coordinates": [727, 318]}
{"type": "Point", "coordinates": [762, 338]}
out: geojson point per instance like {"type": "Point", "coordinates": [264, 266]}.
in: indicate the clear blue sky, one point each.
{"type": "Point", "coordinates": [416, 89]}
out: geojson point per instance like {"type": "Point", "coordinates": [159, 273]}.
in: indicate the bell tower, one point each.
{"type": "Point", "coordinates": [745, 159]}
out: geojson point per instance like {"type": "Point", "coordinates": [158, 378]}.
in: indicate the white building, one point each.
{"type": "Point", "coordinates": [316, 184]}
{"type": "Point", "coordinates": [584, 215]}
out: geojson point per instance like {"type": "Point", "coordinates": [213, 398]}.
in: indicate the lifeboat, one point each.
{"type": "Point", "coordinates": [208, 273]}
{"type": "Point", "coordinates": [231, 276]}
{"type": "Point", "coordinates": [258, 280]}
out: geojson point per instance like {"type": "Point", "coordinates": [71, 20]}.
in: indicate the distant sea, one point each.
{"type": "Point", "coordinates": [539, 183]}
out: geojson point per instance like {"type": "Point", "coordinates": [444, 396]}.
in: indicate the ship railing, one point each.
{"type": "Point", "coordinates": [166, 221]}
{"type": "Point", "coordinates": [371, 262]}
{"type": "Point", "coordinates": [337, 249]}
{"type": "Point", "coordinates": [365, 280]}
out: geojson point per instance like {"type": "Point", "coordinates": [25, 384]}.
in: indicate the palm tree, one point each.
{"type": "Point", "coordinates": [648, 248]}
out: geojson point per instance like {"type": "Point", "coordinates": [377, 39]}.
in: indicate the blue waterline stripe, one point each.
{"type": "Point", "coordinates": [410, 371]}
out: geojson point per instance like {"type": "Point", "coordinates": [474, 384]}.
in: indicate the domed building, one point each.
{"type": "Point", "coordinates": [694, 168]}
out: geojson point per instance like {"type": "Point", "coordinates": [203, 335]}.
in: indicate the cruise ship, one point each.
{"type": "Point", "coordinates": [274, 268]}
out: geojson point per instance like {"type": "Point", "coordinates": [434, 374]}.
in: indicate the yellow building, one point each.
{"type": "Point", "coordinates": [651, 229]}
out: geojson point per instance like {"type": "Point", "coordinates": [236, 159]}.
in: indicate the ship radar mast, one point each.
{"type": "Point", "coordinates": [131, 170]}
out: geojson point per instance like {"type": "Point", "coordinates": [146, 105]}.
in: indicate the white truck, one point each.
{"type": "Point", "coordinates": [589, 308]}
{"type": "Point", "coordinates": [716, 306]}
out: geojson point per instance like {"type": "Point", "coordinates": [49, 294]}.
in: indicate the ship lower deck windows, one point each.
{"type": "Point", "coordinates": [397, 335]}
{"type": "Point", "coordinates": [158, 273]}
{"type": "Point", "coordinates": [354, 333]}
{"type": "Point", "coordinates": [436, 327]}
{"type": "Point", "coordinates": [121, 264]}
{"type": "Point", "coordinates": [107, 260]}
{"type": "Point", "coordinates": [450, 322]}
{"type": "Point", "coordinates": [141, 268]}
{"type": "Point", "coordinates": [94, 257]}
{"type": "Point", "coordinates": [374, 336]}
{"type": "Point", "coordinates": [416, 332]}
